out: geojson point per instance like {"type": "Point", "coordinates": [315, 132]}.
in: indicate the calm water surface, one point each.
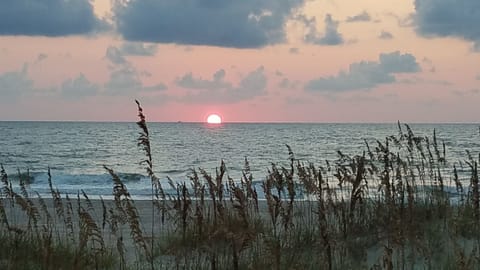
{"type": "Point", "coordinates": [77, 151]}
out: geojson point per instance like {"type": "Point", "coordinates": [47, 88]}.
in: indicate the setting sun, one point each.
{"type": "Point", "coordinates": [214, 119]}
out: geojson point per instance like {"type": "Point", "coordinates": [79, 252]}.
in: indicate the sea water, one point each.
{"type": "Point", "coordinates": [76, 152]}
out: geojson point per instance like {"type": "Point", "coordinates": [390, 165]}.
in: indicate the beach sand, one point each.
{"type": "Point", "coordinates": [18, 218]}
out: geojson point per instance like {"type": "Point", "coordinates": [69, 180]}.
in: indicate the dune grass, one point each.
{"type": "Point", "coordinates": [400, 204]}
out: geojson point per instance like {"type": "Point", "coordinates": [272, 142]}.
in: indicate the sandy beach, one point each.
{"type": "Point", "coordinates": [18, 219]}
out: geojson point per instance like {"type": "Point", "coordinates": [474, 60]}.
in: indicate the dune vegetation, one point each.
{"type": "Point", "coordinates": [399, 204]}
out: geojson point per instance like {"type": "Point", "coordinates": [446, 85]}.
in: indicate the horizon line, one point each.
{"type": "Point", "coordinates": [242, 122]}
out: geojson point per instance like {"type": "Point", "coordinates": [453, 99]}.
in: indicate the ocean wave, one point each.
{"type": "Point", "coordinates": [175, 171]}
{"type": "Point", "coordinates": [131, 177]}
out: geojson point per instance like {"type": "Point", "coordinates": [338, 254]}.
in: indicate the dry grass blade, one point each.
{"type": "Point", "coordinates": [3, 214]}
{"type": "Point", "coordinates": [128, 212]}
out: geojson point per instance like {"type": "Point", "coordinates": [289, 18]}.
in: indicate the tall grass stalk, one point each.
{"type": "Point", "coordinates": [397, 204]}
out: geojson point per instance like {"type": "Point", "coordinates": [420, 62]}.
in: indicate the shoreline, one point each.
{"type": "Point", "coordinates": [305, 215]}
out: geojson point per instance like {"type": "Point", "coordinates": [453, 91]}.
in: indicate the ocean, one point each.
{"type": "Point", "coordinates": [76, 152]}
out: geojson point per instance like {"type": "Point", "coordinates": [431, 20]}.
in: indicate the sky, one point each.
{"type": "Point", "coordinates": [248, 61]}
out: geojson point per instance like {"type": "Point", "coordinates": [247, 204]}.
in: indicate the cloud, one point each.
{"type": "Point", "coordinates": [367, 74]}
{"type": "Point", "coordinates": [416, 80]}
{"type": "Point", "coordinates": [467, 93]}
{"type": "Point", "coordinates": [285, 83]}
{"type": "Point", "coordinates": [403, 21]}
{"type": "Point", "coordinates": [477, 77]}
{"type": "Point", "coordinates": [294, 50]}
{"type": "Point", "coordinates": [429, 63]}
{"type": "Point", "coordinates": [255, 80]}
{"type": "Point", "coordinates": [250, 86]}
{"type": "Point", "coordinates": [156, 87]}
{"type": "Point", "coordinates": [78, 88]}
{"type": "Point", "coordinates": [362, 17]}
{"type": "Point", "coordinates": [448, 18]}
{"type": "Point", "coordinates": [297, 101]}
{"type": "Point", "coordinates": [138, 49]}
{"type": "Point", "coordinates": [48, 18]}
{"type": "Point", "coordinates": [115, 56]}
{"type": "Point", "coordinates": [217, 82]}
{"type": "Point", "coordinates": [14, 84]}
{"type": "Point", "coordinates": [126, 80]}
{"type": "Point", "coordinates": [223, 23]}
{"type": "Point", "coordinates": [476, 46]}
{"type": "Point", "coordinates": [41, 57]}
{"type": "Point", "coordinates": [330, 37]}
{"type": "Point", "coordinates": [123, 80]}
{"type": "Point", "coordinates": [385, 35]}
{"type": "Point", "coordinates": [398, 63]}
{"type": "Point", "coordinates": [124, 77]}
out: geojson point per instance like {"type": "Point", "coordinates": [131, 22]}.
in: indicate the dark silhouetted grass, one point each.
{"type": "Point", "coordinates": [398, 204]}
